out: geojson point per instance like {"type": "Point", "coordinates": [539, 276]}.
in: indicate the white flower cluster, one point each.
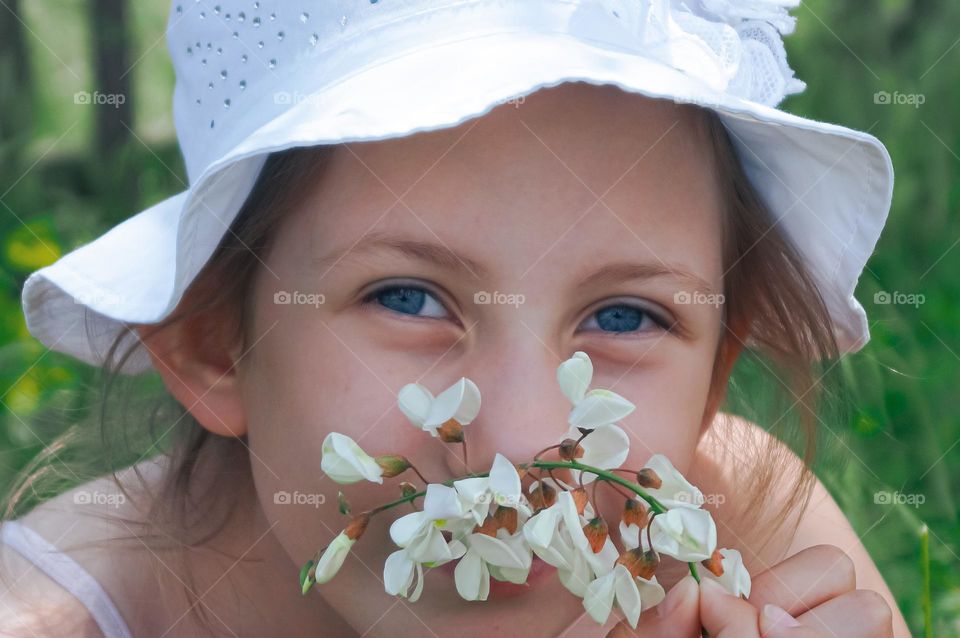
{"type": "Point", "coordinates": [493, 528]}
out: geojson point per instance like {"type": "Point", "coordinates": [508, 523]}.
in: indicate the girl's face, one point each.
{"type": "Point", "coordinates": [581, 219]}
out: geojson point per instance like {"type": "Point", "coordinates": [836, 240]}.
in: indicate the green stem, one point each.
{"type": "Point", "coordinates": [925, 566]}
{"type": "Point", "coordinates": [654, 504]}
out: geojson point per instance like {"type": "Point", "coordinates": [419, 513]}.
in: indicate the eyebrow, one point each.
{"type": "Point", "coordinates": [628, 270]}
{"type": "Point", "coordinates": [445, 257]}
{"type": "Point", "coordinates": [437, 254]}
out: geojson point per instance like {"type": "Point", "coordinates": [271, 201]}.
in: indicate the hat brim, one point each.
{"type": "Point", "coordinates": [828, 186]}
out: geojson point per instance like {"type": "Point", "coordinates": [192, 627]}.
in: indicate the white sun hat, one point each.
{"type": "Point", "coordinates": [257, 77]}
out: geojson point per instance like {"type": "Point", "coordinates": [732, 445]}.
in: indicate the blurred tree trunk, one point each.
{"type": "Point", "coordinates": [16, 96]}
{"type": "Point", "coordinates": [112, 74]}
{"type": "Point", "coordinates": [116, 171]}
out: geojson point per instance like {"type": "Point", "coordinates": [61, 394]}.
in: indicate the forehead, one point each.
{"type": "Point", "coordinates": [576, 171]}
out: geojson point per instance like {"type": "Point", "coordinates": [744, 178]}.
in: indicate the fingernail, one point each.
{"type": "Point", "coordinates": [680, 591]}
{"type": "Point", "coordinates": [712, 586]}
{"type": "Point", "coordinates": [779, 617]}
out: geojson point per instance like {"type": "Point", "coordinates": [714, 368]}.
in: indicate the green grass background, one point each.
{"type": "Point", "coordinates": [902, 436]}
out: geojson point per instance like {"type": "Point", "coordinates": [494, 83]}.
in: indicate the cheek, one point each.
{"type": "Point", "coordinates": [670, 404]}
{"type": "Point", "coordinates": [299, 385]}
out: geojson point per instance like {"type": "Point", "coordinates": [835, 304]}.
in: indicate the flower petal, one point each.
{"type": "Point", "coordinates": [345, 462]}
{"type": "Point", "coordinates": [578, 576]}
{"type": "Point", "coordinates": [684, 533]}
{"type": "Point", "coordinates": [676, 491]}
{"type": "Point", "coordinates": [599, 407]}
{"type": "Point", "coordinates": [475, 496]}
{"type": "Point", "coordinates": [511, 552]}
{"type": "Point", "coordinates": [414, 401]}
{"type": "Point", "coordinates": [460, 402]}
{"type": "Point", "coordinates": [574, 376]}
{"type": "Point", "coordinates": [505, 482]}
{"type": "Point", "coordinates": [418, 588]}
{"type": "Point", "coordinates": [651, 592]}
{"type": "Point", "coordinates": [472, 577]}
{"type": "Point", "coordinates": [405, 529]}
{"type": "Point", "coordinates": [397, 573]}
{"type": "Point", "coordinates": [332, 558]}
{"type": "Point", "coordinates": [735, 578]}
{"type": "Point", "coordinates": [606, 447]}
{"type": "Point", "coordinates": [598, 598]}
{"type": "Point", "coordinates": [441, 502]}
{"type": "Point", "coordinates": [627, 594]}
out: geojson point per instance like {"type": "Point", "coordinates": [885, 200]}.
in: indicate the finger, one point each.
{"type": "Point", "coordinates": [677, 615]}
{"type": "Point", "coordinates": [724, 615]}
{"type": "Point", "coordinates": [777, 623]}
{"type": "Point", "coordinates": [862, 613]}
{"type": "Point", "coordinates": [809, 578]}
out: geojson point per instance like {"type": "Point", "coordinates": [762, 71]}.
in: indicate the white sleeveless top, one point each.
{"type": "Point", "coordinates": [69, 574]}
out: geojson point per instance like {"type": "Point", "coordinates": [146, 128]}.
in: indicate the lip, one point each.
{"type": "Point", "coordinates": [502, 589]}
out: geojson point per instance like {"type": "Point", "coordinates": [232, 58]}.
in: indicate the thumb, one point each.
{"type": "Point", "coordinates": [775, 622]}
{"type": "Point", "coordinates": [724, 615]}
{"type": "Point", "coordinates": [676, 615]}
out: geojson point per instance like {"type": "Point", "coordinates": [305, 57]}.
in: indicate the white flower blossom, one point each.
{"type": "Point", "coordinates": [460, 402]}
{"type": "Point", "coordinates": [735, 578]}
{"type": "Point", "coordinates": [632, 595]}
{"type": "Point", "coordinates": [684, 533]}
{"type": "Point", "coordinates": [345, 462]}
{"type": "Point", "coordinates": [332, 558]}
{"type": "Point", "coordinates": [594, 408]}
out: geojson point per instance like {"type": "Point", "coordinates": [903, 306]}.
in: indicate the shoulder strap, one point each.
{"type": "Point", "coordinates": [69, 574]}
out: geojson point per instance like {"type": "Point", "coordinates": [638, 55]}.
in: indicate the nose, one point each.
{"type": "Point", "coordinates": [522, 409]}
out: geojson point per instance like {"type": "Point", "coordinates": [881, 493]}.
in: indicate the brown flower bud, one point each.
{"type": "Point", "coordinates": [635, 513]}
{"type": "Point", "coordinates": [714, 563]}
{"type": "Point", "coordinates": [649, 479]}
{"type": "Point", "coordinates": [506, 518]}
{"type": "Point", "coordinates": [489, 527]}
{"type": "Point", "coordinates": [580, 499]}
{"type": "Point", "coordinates": [596, 532]}
{"type": "Point", "coordinates": [357, 526]}
{"type": "Point", "coordinates": [392, 465]}
{"type": "Point", "coordinates": [543, 496]}
{"type": "Point", "coordinates": [451, 432]}
{"type": "Point", "coordinates": [570, 450]}
{"type": "Point", "coordinates": [640, 563]}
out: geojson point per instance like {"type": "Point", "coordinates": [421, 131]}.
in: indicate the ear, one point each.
{"type": "Point", "coordinates": [196, 357]}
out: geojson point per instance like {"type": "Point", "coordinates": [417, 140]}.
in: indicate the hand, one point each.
{"type": "Point", "coordinates": [812, 594]}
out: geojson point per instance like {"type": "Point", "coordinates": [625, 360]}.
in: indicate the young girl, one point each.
{"type": "Point", "coordinates": [431, 245]}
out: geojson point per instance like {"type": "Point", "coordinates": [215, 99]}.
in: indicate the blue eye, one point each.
{"type": "Point", "coordinates": [408, 300]}
{"type": "Point", "coordinates": [623, 318]}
